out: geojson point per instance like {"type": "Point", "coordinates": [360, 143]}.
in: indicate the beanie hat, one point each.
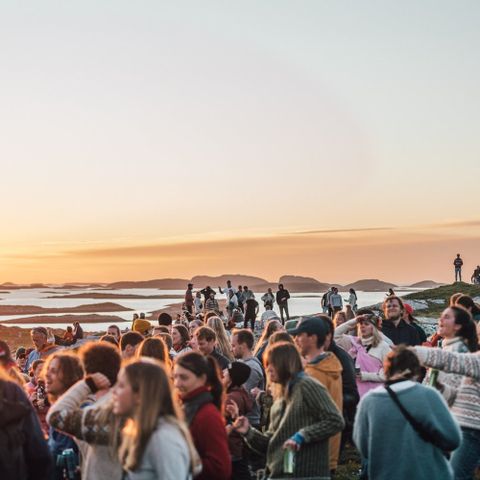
{"type": "Point", "coordinates": [141, 326]}
{"type": "Point", "coordinates": [239, 373]}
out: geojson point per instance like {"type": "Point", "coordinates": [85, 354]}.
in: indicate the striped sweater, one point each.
{"type": "Point", "coordinates": [466, 405]}
{"type": "Point", "coordinates": [310, 411]}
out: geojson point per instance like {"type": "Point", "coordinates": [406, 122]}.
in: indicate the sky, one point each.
{"type": "Point", "coordinates": [338, 140]}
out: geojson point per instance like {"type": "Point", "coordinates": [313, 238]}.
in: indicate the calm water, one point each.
{"type": "Point", "coordinates": [299, 304]}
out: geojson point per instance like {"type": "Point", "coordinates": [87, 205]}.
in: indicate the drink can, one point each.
{"type": "Point", "coordinates": [288, 461]}
{"type": "Point", "coordinates": [433, 377]}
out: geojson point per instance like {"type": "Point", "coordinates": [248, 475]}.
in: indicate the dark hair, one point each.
{"type": "Point", "coordinates": [6, 355]}
{"type": "Point", "coordinates": [70, 368]}
{"type": "Point", "coordinates": [130, 338]}
{"type": "Point", "coordinates": [165, 319]}
{"type": "Point", "coordinates": [109, 339]}
{"type": "Point", "coordinates": [365, 311]}
{"type": "Point", "coordinates": [245, 336]}
{"type": "Point", "coordinates": [183, 331]}
{"type": "Point", "coordinates": [467, 302]}
{"type": "Point", "coordinates": [162, 328]}
{"type": "Point", "coordinates": [101, 357]}
{"type": "Point", "coordinates": [167, 339]}
{"type": "Point", "coordinates": [205, 333]}
{"type": "Point", "coordinates": [454, 297]}
{"type": "Point", "coordinates": [117, 328]}
{"type": "Point", "coordinates": [468, 329]}
{"type": "Point", "coordinates": [154, 348]}
{"type": "Point", "coordinates": [352, 290]}
{"type": "Point", "coordinates": [200, 365]}
{"type": "Point", "coordinates": [402, 362]}
{"type": "Point", "coordinates": [393, 297]}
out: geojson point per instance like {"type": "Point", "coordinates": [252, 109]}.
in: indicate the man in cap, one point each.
{"type": "Point", "coordinates": [311, 338]}
{"type": "Point", "coordinates": [42, 348]}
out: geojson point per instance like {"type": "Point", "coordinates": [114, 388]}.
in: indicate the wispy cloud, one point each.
{"type": "Point", "coordinates": [344, 230]}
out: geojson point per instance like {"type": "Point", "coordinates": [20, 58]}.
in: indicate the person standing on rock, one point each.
{"type": "Point", "coordinates": [282, 301]}
{"type": "Point", "coordinates": [457, 263]}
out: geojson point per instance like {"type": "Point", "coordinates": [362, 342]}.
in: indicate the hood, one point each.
{"type": "Point", "coordinates": [327, 363]}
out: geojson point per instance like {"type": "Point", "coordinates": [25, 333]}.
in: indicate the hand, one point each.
{"type": "Point", "coordinates": [292, 445]}
{"type": "Point", "coordinates": [101, 381]}
{"type": "Point", "coordinates": [255, 392]}
{"type": "Point", "coordinates": [232, 409]}
{"type": "Point", "coordinates": [241, 425]}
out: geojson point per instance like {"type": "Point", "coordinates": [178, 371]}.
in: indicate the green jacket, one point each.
{"type": "Point", "coordinates": [309, 410]}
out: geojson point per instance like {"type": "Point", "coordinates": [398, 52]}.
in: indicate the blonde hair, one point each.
{"type": "Point", "coordinates": [216, 324]}
{"type": "Point", "coordinates": [377, 336]}
{"type": "Point", "coordinates": [149, 379]}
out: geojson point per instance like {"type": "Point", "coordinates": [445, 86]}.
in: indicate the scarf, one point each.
{"type": "Point", "coordinates": [193, 405]}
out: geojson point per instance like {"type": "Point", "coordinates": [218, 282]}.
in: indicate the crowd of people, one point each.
{"type": "Point", "coordinates": [208, 395]}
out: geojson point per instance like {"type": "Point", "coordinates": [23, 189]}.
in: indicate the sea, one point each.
{"type": "Point", "coordinates": [299, 304]}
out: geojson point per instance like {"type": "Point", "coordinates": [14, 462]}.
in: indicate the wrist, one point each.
{"type": "Point", "coordinates": [91, 384]}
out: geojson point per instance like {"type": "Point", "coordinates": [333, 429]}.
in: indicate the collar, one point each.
{"type": "Point", "coordinates": [194, 393]}
{"type": "Point", "coordinates": [451, 341]}
{"type": "Point", "coordinates": [402, 385]}
{"type": "Point", "coordinates": [318, 358]}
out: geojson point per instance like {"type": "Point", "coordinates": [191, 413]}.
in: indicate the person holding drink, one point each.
{"type": "Point", "coordinates": [302, 419]}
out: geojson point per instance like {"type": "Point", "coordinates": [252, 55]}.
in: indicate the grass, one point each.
{"type": "Point", "coordinates": [445, 292]}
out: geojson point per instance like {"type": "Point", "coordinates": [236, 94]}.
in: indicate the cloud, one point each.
{"type": "Point", "coordinates": [345, 230]}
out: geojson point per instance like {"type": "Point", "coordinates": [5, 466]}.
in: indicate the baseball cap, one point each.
{"type": "Point", "coordinates": [310, 325]}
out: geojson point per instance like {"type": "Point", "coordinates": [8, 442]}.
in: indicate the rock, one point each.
{"type": "Point", "coordinates": [418, 304]}
{"type": "Point", "coordinates": [438, 301]}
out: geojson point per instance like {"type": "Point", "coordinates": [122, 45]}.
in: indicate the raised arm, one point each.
{"type": "Point", "coordinates": [467, 364]}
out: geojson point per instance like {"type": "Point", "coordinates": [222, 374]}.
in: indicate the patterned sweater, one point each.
{"type": "Point", "coordinates": [466, 405]}
{"type": "Point", "coordinates": [86, 424]}
{"type": "Point", "coordinates": [310, 411]}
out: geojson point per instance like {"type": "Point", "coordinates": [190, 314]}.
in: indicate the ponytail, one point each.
{"type": "Point", "coordinates": [215, 383]}
{"type": "Point", "coordinates": [200, 365]}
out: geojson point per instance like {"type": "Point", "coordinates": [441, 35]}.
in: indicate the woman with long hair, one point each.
{"type": "Point", "coordinates": [197, 380]}
{"type": "Point", "coordinates": [272, 327]}
{"type": "Point", "coordinates": [154, 347]}
{"type": "Point", "coordinates": [467, 302]}
{"type": "Point", "coordinates": [303, 418]}
{"type": "Point", "coordinates": [60, 371]}
{"type": "Point", "coordinates": [155, 442]}
{"type": "Point", "coordinates": [459, 335]}
{"type": "Point", "coordinates": [180, 338]}
{"type": "Point", "coordinates": [24, 453]}
{"type": "Point", "coordinates": [223, 343]}
{"type": "Point", "coordinates": [405, 420]}
{"type": "Point", "coordinates": [368, 349]}
{"type": "Point", "coordinates": [8, 364]}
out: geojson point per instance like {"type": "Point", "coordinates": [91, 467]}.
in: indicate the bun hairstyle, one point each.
{"type": "Point", "coordinates": [200, 365]}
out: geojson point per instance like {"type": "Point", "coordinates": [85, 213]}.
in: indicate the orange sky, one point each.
{"type": "Point", "coordinates": [400, 255]}
{"type": "Point", "coordinates": [156, 139]}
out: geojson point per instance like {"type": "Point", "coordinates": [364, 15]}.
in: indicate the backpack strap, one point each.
{"type": "Point", "coordinates": [424, 434]}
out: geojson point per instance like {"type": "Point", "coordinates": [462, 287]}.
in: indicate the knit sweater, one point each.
{"type": "Point", "coordinates": [450, 381]}
{"type": "Point", "coordinates": [310, 411]}
{"type": "Point", "coordinates": [466, 405]}
{"type": "Point", "coordinates": [392, 448]}
{"type": "Point", "coordinates": [67, 416]}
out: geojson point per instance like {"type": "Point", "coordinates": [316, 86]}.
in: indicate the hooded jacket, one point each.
{"type": "Point", "coordinates": [327, 369]}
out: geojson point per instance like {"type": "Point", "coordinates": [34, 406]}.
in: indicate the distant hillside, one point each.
{"type": "Point", "coordinates": [295, 283]}
{"type": "Point", "coordinates": [254, 283]}
{"type": "Point", "coordinates": [426, 284]}
{"type": "Point", "coordinates": [445, 292]}
{"type": "Point", "coordinates": [160, 283]}
{"type": "Point", "coordinates": [370, 285]}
